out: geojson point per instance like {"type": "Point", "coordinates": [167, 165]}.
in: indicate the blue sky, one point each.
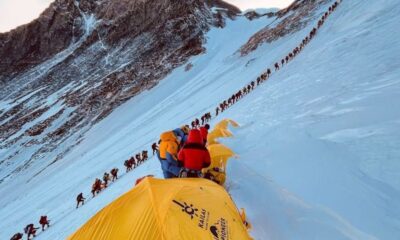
{"type": "Point", "coordinates": [17, 12]}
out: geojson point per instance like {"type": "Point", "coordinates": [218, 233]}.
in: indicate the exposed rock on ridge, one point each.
{"type": "Point", "coordinates": [293, 18]}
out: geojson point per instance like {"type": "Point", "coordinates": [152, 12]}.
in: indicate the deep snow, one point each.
{"type": "Point", "coordinates": [318, 142]}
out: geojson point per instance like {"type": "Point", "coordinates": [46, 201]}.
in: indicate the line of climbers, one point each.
{"type": "Point", "coordinates": [204, 119]}
{"type": "Point", "coordinates": [290, 56]}
{"type": "Point", "coordinates": [99, 185]}
{"type": "Point", "coordinates": [136, 160]}
{"type": "Point", "coordinates": [182, 152]}
{"type": "Point", "coordinates": [30, 229]}
{"type": "Point", "coordinates": [306, 40]}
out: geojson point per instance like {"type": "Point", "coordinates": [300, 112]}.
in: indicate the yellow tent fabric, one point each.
{"type": "Point", "coordinates": [244, 219]}
{"type": "Point", "coordinates": [216, 176]}
{"type": "Point", "coordinates": [219, 154]}
{"type": "Point", "coordinates": [221, 130]}
{"type": "Point", "coordinates": [217, 133]}
{"type": "Point", "coordinates": [170, 209]}
{"type": "Point", "coordinates": [224, 124]}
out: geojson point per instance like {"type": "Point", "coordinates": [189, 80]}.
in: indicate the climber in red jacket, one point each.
{"type": "Point", "coordinates": [44, 222]}
{"type": "Point", "coordinates": [194, 155]}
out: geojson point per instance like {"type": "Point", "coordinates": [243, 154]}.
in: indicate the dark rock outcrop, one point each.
{"type": "Point", "coordinates": [293, 18]}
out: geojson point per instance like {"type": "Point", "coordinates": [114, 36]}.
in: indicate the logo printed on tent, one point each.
{"type": "Point", "coordinates": [220, 230]}
{"type": "Point", "coordinates": [190, 210]}
{"type": "Point", "coordinates": [214, 231]}
{"type": "Point", "coordinates": [203, 216]}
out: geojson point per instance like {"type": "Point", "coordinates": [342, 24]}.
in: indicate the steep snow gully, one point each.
{"type": "Point", "coordinates": [318, 142]}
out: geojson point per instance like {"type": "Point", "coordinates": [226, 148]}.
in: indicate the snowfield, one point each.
{"type": "Point", "coordinates": [319, 142]}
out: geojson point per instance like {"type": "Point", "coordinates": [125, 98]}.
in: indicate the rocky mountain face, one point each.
{"type": "Point", "coordinates": [71, 67]}
{"type": "Point", "coordinates": [292, 19]}
{"type": "Point", "coordinates": [79, 60]}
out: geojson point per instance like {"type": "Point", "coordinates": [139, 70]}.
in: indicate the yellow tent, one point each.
{"type": "Point", "coordinates": [219, 154]}
{"type": "Point", "coordinates": [220, 130]}
{"type": "Point", "coordinates": [170, 209]}
{"type": "Point", "coordinates": [217, 133]}
{"type": "Point", "coordinates": [224, 124]}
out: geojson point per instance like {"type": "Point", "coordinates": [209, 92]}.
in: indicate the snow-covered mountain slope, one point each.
{"type": "Point", "coordinates": [81, 59]}
{"type": "Point", "coordinates": [318, 141]}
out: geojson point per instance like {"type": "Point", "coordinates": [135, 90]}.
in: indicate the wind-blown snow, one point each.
{"type": "Point", "coordinates": [318, 142]}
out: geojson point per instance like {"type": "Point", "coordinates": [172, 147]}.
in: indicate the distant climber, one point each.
{"type": "Point", "coordinates": [296, 50]}
{"type": "Point", "coordinates": [276, 66]}
{"type": "Point", "coordinates": [154, 147]}
{"type": "Point", "coordinates": [30, 230]}
{"type": "Point", "coordinates": [114, 174]}
{"type": "Point", "coordinates": [244, 90]}
{"type": "Point", "coordinates": [208, 117]}
{"type": "Point", "coordinates": [320, 22]}
{"type": "Point", "coordinates": [128, 164]}
{"type": "Point", "coordinates": [17, 236]}
{"type": "Point", "coordinates": [216, 111]}
{"type": "Point", "coordinates": [230, 102]}
{"type": "Point", "coordinates": [132, 162]}
{"type": "Point", "coordinates": [144, 155]}
{"type": "Point", "coordinates": [239, 94]}
{"type": "Point", "coordinates": [138, 159]}
{"type": "Point", "coordinates": [44, 222]}
{"type": "Point", "coordinates": [194, 156]}
{"type": "Point", "coordinates": [80, 199]}
{"type": "Point", "coordinates": [96, 187]}
{"type": "Point", "coordinates": [106, 178]}
{"type": "Point", "coordinates": [264, 77]}
{"type": "Point", "coordinates": [221, 106]}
